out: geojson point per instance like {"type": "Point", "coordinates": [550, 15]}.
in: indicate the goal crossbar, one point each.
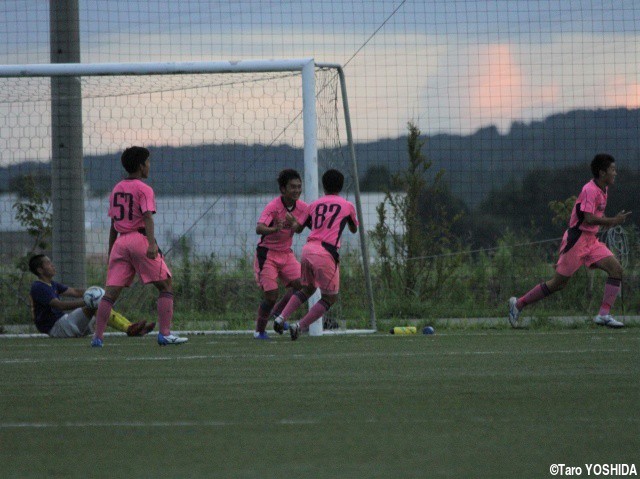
{"type": "Point", "coordinates": [166, 68]}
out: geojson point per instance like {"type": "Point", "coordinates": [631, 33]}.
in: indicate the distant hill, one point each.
{"type": "Point", "coordinates": [475, 164]}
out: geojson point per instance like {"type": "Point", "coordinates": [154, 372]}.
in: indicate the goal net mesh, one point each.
{"type": "Point", "coordinates": [218, 142]}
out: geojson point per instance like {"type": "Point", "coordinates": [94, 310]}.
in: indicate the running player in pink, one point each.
{"type": "Point", "coordinates": [327, 219]}
{"type": "Point", "coordinates": [274, 258]}
{"type": "Point", "coordinates": [580, 246]}
{"type": "Point", "coordinates": [133, 248]}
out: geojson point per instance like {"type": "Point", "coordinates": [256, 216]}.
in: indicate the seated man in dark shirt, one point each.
{"type": "Point", "coordinates": [68, 319]}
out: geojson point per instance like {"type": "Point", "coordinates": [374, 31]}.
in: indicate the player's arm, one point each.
{"type": "Point", "coordinates": [263, 230]}
{"type": "Point", "coordinates": [73, 292]}
{"type": "Point", "coordinates": [295, 226]}
{"type": "Point", "coordinates": [152, 250]}
{"type": "Point", "coordinates": [353, 220]}
{"type": "Point", "coordinates": [352, 226]}
{"type": "Point", "coordinates": [66, 305]}
{"type": "Point", "coordinates": [113, 235]}
{"type": "Point", "coordinates": [618, 219]}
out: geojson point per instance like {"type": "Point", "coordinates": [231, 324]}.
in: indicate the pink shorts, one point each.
{"type": "Point", "coordinates": [129, 256]}
{"type": "Point", "coordinates": [319, 269]}
{"type": "Point", "coordinates": [269, 265]}
{"type": "Point", "coordinates": [585, 251]}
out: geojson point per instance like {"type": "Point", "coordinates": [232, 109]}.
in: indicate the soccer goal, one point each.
{"type": "Point", "coordinates": [219, 133]}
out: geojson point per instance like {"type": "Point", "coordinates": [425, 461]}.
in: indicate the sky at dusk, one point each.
{"type": "Point", "coordinates": [450, 66]}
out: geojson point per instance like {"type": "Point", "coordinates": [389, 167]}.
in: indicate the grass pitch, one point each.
{"type": "Point", "coordinates": [462, 404]}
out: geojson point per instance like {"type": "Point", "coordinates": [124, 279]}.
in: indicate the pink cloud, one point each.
{"type": "Point", "coordinates": [496, 88]}
{"type": "Point", "coordinates": [621, 92]}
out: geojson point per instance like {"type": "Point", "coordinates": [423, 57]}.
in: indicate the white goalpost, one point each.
{"type": "Point", "coordinates": [220, 119]}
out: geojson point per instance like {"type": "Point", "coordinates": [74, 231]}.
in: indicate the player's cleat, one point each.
{"type": "Point", "coordinates": [280, 325]}
{"type": "Point", "coordinates": [294, 331]}
{"type": "Point", "coordinates": [137, 328]}
{"type": "Point", "coordinates": [262, 335]}
{"type": "Point", "coordinates": [170, 339]}
{"type": "Point", "coordinates": [608, 321]}
{"type": "Point", "coordinates": [96, 343]}
{"type": "Point", "coordinates": [514, 312]}
{"type": "Point", "coordinates": [148, 328]}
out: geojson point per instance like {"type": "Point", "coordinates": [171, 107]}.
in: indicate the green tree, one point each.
{"type": "Point", "coordinates": [377, 178]}
{"type": "Point", "coordinates": [33, 212]}
{"type": "Point", "coordinates": [412, 245]}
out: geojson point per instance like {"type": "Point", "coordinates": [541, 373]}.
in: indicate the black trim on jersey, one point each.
{"type": "Point", "coordinates": [574, 233]}
{"type": "Point", "coordinates": [262, 237]}
{"type": "Point", "coordinates": [343, 223]}
{"type": "Point", "coordinates": [261, 255]}
{"type": "Point", "coordinates": [308, 224]}
{"type": "Point", "coordinates": [286, 207]}
{"type": "Point", "coordinates": [333, 251]}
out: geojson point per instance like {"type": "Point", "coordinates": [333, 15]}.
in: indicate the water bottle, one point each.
{"type": "Point", "coordinates": [403, 330]}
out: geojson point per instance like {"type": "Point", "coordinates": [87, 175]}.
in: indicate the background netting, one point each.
{"type": "Point", "coordinates": [513, 99]}
{"type": "Point", "coordinates": [218, 142]}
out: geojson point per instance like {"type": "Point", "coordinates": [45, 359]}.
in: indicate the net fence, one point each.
{"type": "Point", "coordinates": [512, 100]}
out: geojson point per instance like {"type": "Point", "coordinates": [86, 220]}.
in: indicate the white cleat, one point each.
{"type": "Point", "coordinates": [608, 321]}
{"type": "Point", "coordinates": [514, 312]}
{"type": "Point", "coordinates": [294, 331]}
{"type": "Point", "coordinates": [170, 339]}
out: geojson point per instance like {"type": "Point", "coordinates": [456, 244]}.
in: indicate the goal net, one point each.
{"type": "Point", "coordinates": [218, 141]}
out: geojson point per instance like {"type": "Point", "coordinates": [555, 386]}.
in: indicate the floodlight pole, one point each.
{"type": "Point", "coordinates": [67, 174]}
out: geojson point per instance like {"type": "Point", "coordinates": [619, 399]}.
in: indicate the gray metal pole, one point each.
{"type": "Point", "coordinates": [67, 174]}
{"type": "Point", "coordinates": [361, 230]}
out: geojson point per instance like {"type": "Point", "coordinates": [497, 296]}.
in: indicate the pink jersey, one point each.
{"type": "Point", "coordinates": [129, 201]}
{"type": "Point", "coordinates": [276, 210]}
{"type": "Point", "coordinates": [592, 199]}
{"type": "Point", "coordinates": [327, 218]}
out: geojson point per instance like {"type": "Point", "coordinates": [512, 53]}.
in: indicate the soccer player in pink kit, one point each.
{"type": "Point", "coordinates": [274, 258]}
{"type": "Point", "coordinates": [133, 248]}
{"type": "Point", "coordinates": [580, 246]}
{"type": "Point", "coordinates": [326, 218]}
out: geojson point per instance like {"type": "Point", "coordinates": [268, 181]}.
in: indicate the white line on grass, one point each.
{"type": "Point", "coordinates": [140, 424]}
{"type": "Point", "coordinates": [225, 424]}
{"type": "Point", "coordinates": [312, 356]}
{"type": "Point", "coordinates": [44, 425]}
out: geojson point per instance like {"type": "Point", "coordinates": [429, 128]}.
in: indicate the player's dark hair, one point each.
{"type": "Point", "coordinates": [332, 181]}
{"type": "Point", "coordinates": [286, 176]}
{"type": "Point", "coordinates": [133, 157]}
{"type": "Point", "coordinates": [601, 162]}
{"type": "Point", "coordinates": [35, 262]}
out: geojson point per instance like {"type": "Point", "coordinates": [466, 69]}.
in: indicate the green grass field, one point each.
{"type": "Point", "coordinates": [483, 404]}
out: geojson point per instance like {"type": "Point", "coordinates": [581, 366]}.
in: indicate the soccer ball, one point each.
{"type": "Point", "coordinates": [92, 296]}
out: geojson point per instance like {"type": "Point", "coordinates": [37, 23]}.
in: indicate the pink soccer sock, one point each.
{"type": "Point", "coordinates": [102, 316]}
{"type": "Point", "coordinates": [263, 317]}
{"type": "Point", "coordinates": [611, 289]}
{"type": "Point", "coordinates": [536, 294]}
{"type": "Point", "coordinates": [280, 305]}
{"type": "Point", "coordinates": [165, 312]}
{"type": "Point", "coordinates": [294, 303]}
{"type": "Point", "coordinates": [314, 313]}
